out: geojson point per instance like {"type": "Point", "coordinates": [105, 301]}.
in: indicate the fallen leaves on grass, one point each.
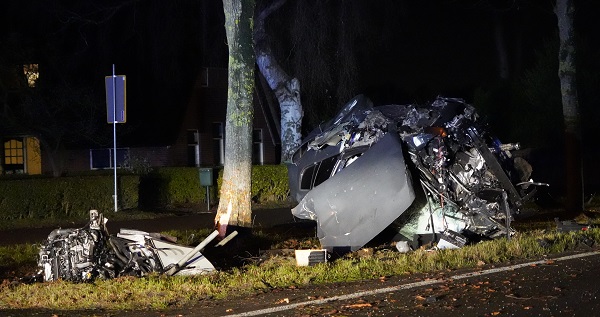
{"type": "Point", "coordinates": [361, 305]}
{"type": "Point", "coordinates": [283, 300]}
{"type": "Point", "coordinates": [419, 297]}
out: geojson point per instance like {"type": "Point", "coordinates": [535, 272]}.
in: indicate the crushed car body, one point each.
{"type": "Point", "coordinates": [84, 254]}
{"type": "Point", "coordinates": [353, 177]}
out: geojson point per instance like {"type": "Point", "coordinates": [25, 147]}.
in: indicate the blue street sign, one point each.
{"type": "Point", "coordinates": [117, 96]}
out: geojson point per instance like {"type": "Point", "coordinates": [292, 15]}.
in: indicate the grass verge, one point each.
{"type": "Point", "coordinates": [157, 292]}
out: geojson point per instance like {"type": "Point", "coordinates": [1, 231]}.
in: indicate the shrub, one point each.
{"type": "Point", "coordinates": [180, 186]}
{"type": "Point", "coordinates": [74, 196]}
{"type": "Point", "coordinates": [269, 183]}
{"type": "Point", "coordinates": [65, 196]}
{"type": "Point", "coordinates": [171, 186]}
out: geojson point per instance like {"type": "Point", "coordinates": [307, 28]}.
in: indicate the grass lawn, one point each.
{"type": "Point", "coordinates": [253, 271]}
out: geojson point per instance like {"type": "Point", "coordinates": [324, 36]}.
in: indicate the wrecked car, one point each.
{"type": "Point", "coordinates": [84, 254]}
{"type": "Point", "coordinates": [432, 173]}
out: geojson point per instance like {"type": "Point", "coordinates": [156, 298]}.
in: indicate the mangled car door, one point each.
{"type": "Point", "coordinates": [361, 200]}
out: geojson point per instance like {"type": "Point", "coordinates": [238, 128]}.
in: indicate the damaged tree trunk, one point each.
{"type": "Point", "coordinates": [565, 11]}
{"type": "Point", "coordinates": [235, 201]}
{"type": "Point", "coordinates": [286, 88]}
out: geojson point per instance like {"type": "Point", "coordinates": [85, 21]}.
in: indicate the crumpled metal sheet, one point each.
{"type": "Point", "coordinates": [87, 253]}
{"type": "Point", "coordinates": [468, 178]}
{"type": "Point", "coordinates": [362, 199]}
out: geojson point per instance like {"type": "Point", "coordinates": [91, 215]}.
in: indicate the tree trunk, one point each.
{"type": "Point", "coordinates": [286, 89]}
{"type": "Point", "coordinates": [565, 11]}
{"type": "Point", "coordinates": [501, 50]}
{"type": "Point", "coordinates": [235, 201]}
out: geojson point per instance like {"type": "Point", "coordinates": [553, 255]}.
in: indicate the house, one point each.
{"type": "Point", "coordinates": [195, 133]}
{"type": "Point", "coordinates": [20, 152]}
{"type": "Point", "coordinates": [199, 140]}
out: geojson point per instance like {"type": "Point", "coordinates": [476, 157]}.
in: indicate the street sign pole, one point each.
{"type": "Point", "coordinates": [114, 91]}
{"type": "Point", "coordinates": [116, 105]}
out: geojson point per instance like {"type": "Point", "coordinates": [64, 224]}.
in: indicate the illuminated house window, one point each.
{"type": "Point", "coordinates": [31, 73]}
{"type": "Point", "coordinates": [14, 157]}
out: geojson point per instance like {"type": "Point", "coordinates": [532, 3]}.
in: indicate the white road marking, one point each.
{"type": "Point", "coordinates": [406, 286]}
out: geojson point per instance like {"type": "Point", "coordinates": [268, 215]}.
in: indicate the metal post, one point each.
{"type": "Point", "coordinates": [182, 263]}
{"type": "Point", "coordinates": [507, 211]}
{"type": "Point", "coordinates": [115, 134]}
{"type": "Point", "coordinates": [207, 197]}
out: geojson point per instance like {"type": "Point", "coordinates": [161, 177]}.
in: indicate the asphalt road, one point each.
{"type": "Point", "coordinates": [568, 285]}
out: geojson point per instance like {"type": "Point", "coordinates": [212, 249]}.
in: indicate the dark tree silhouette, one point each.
{"type": "Point", "coordinates": [565, 13]}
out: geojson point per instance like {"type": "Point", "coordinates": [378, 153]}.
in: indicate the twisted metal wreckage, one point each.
{"type": "Point", "coordinates": [90, 252]}
{"type": "Point", "coordinates": [351, 177]}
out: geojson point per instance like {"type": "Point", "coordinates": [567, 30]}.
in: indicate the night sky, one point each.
{"type": "Point", "coordinates": [393, 51]}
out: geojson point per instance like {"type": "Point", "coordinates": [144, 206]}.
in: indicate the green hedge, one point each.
{"type": "Point", "coordinates": [64, 196]}
{"type": "Point", "coordinates": [171, 186]}
{"type": "Point", "coordinates": [74, 196]}
{"type": "Point", "coordinates": [269, 183]}
{"type": "Point", "coordinates": [180, 186]}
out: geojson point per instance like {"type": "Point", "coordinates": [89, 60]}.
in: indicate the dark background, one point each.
{"type": "Point", "coordinates": [392, 51]}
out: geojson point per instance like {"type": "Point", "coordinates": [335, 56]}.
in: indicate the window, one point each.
{"type": "Point", "coordinates": [257, 147]}
{"type": "Point", "coordinates": [103, 158]}
{"type": "Point", "coordinates": [316, 174]}
{"type": "Point", "coordinates": [325, 169]}
{"type": "Point", "coordinates": [193, 152]}
{"type": "Point", "coordinates": [14, 156]}
{"type": "Point", "coordinates": [204, 77]}
{"type": "Point", "coordinates": [218, 135]}
{"type": "Point", "coordinates": [193, 137]}
{"type": "Point", "coordinates": [32, 74]}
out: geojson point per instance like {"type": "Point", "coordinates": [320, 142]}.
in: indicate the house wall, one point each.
{"type": "Point", "coordinates": [68, 161]}
{"type": "Point", "coordinates": [271, 150]}
{"type": "Point", "coordinates": [78, 160]}
{"type": "Point", "coordinates": [212, 108]}
{"type": "Point", "coordinates": [152, 156]}
{"type": "Point", "coordinates": [208, 105]}
{"type": "Point", "coordinates": [33, 155]}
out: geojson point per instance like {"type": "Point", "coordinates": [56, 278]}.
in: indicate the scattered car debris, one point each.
{"type": "Point", "coordinates": [310, 257]}
{"type": "Point", "coordinates": [451, 240]}
{"type": "Point", "coordinates": [402, 246]}
{"type": "Point", "coordinates": [352, 176]}
{"type": "Point", "coordinates": [570, 225]}
{"type": "Point", "coordinates": [84, 254]}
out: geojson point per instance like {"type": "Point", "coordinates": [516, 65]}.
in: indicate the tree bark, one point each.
{"type": "Point", "coordinates": [564, 11]}
{"type": "Point", "coordinates": [501, 50]}
{"type": "Point", "coordinates": [286, 88]}
{"type": "Point", "coordinates": [235, 200]}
